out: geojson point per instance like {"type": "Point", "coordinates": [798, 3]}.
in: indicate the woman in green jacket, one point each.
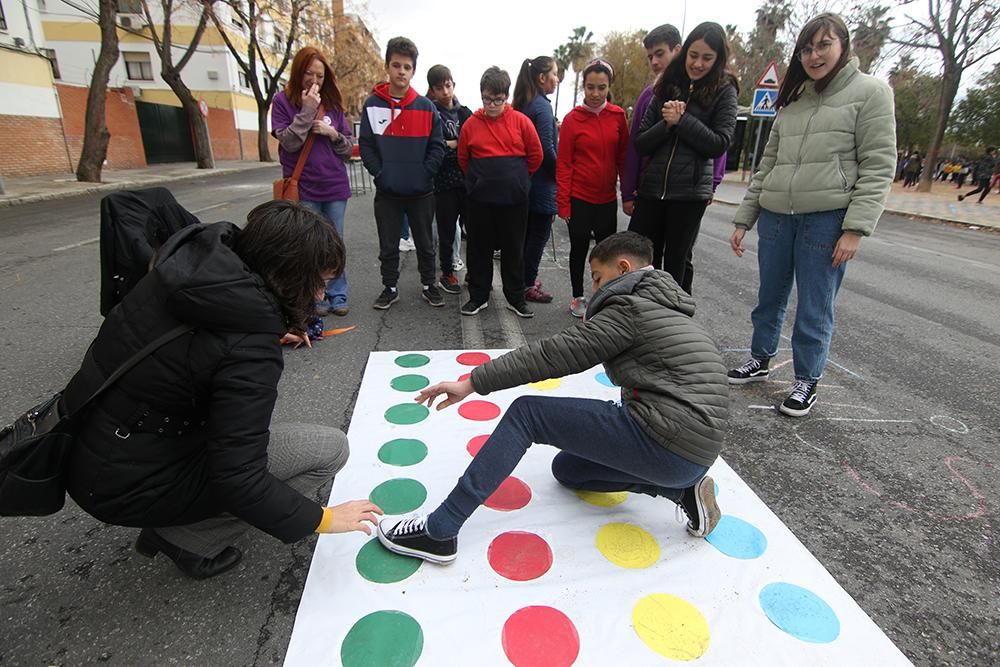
{"type": "Point", "coordinates": [822, 185]}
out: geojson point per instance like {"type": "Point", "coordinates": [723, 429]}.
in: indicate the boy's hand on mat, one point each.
{"type": "Point", "coordinates": [456, 392]}
{"type": "Point", "coordinates": [352, 515]}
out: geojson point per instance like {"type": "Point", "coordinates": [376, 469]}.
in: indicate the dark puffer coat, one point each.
{"type": "Point", "coordinates": [682, 156]}
{"type": "Point", "coordinates": [672, 377]}
{"type": "Point", "coordinates": [183, 436]}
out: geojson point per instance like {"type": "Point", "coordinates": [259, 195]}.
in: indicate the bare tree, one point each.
{"type": "Point", "coordinates": [963, 33]}
{"type": "Point", "coordinates": [164, 44]}
{"type": "Point", "coordinates": [625, 52]}
{"type": "Point", "coordinates": [95, 133]}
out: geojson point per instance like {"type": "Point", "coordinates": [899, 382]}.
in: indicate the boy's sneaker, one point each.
{"type": "Point", "coordinates": [536, 294]}
{"type": "Point", "coordinates": [801, 399]}
{"type": "Point", "coordinates": [496, 255]}
{"type": "Point", "coordinates": [472, 307]}
{"type": "Point", "coordinates": [449, 283]}
{"type": "Point", "coordinates": [406, 245]}
{"type": "Point", "coordinates": [698, 503]}
{"type": "Point", "coordinates": [754, 370]}
{"type": "Point", "coordinates": [459, 265]}
{"type": "Point", "coordinates": [408, 537]}
{"type": "Point", "coordinates": [388, 297]}
{"type": "Point", "coordinates": [578, 307]}
{"type": "Point", "coordinates": [520, 309]}
{"type": "Point", "coordinates": [432, 296]}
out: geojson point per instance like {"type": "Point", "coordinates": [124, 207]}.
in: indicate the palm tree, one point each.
{"type": "Point", "coordinates": [580, 49]}
{"type": "Point", "coordinates": [562, 59]}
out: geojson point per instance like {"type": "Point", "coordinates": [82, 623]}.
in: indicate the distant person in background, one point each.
{"type": "Point", "coordinates": [324, 186]}
{"type": "Point", "coordinates": [912, 169]}
{"type": "Point", "coordinates": [995, 183]}
{"type": "Point", "coordinates": [963, 173]}
{"type": "Point", "coordinates": [982, 175]}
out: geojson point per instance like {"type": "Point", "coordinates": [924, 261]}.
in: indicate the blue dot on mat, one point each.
{"type": "Point", "coordinates": [716, 488]}
{"type": "Point", "coordinates": [737, 539]}
{"type": "Point", "coordinates": [603, 378]}
{"type": "Point", "coordinates": [799, 612]}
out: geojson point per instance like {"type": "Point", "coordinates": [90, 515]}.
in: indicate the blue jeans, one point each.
{"type": "Point", "coordinates": [603, 449]}
{"type": "Point", "coordinates": [799, 248]}
{"type": "Point", "coordinates": [336, 289]}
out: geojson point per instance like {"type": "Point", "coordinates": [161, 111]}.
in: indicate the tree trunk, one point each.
{"type": "Point", "coordinates": [199, 126]}
{"type": "Point", "coordinates": [576, 86]}
{"type": "Point", "coordinates": [949, 89]}
{"type": "Point", "coordinates": [95, 133]}
{"type": "Point", "coordinates": [262, 147]}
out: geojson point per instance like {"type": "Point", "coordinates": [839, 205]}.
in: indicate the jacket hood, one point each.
{"type": "Point", "coordinates": [382, 90]}
{"type": "Point", "coordinates": [481, 113]}
{"type": "Point", "coordinates": [456, 106]}
{"type": "Point", "coordinates": [648, 283]}
{"type": "Point", "coordinates": [583, 112]}
{"type": "Point", "coordinates": [208, 285]}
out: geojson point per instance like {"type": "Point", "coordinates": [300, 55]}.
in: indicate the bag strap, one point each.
{"type": "Point", "coordinates": [301, 163]}
{"type": "Point", "coordinates": [177, 331]}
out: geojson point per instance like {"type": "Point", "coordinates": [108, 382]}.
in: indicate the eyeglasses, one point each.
{"type": "Point", "coordinates": [496, 101]}
{"type": "Point", "coordinates": [821, 49]}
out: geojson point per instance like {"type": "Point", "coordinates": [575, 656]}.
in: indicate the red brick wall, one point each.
{"type": "Point", "coordinates": [222, 132]}
{"type": "Point", "coordinates": [32, 146]}
{"type": "Point", "coordinates": [249, 138]}
{"type": "Point", "coordinates": [125, 150]}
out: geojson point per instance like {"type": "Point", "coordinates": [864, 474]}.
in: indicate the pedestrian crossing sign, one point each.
{"type": "Point", "coordinates": [763, 103]}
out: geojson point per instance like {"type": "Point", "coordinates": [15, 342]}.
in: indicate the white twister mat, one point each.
{"type": "Point", "coordinates": [548, 577]}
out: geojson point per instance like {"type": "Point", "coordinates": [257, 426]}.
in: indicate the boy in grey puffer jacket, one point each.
{"type": "Point", "coordinates": [660, 441]}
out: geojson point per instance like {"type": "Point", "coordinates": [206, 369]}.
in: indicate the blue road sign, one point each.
{"type": "Point", "coordinates": [763, 103]}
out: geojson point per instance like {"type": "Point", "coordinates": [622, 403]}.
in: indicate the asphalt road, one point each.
{"type": "Point", "coordinates": [891, 482]}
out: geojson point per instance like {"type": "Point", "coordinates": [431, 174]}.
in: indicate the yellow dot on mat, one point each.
{"type": "Point", "coordinates": [671, 626]}
{"type": "Point", "coordinates": [603, 499]}
{"type": "Point", "coordinates": [545, 385]}
{"type": "Point", "coordinates": [627, 545]}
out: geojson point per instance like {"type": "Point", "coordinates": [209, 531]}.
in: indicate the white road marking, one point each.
{"type": "Point", "coordinates": [77, 244]}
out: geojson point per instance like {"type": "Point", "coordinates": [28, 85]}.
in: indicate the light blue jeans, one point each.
{"type": "Point", "coordinates": [336, 290]}
{"type": "Point", "coordinates": [797, 248]}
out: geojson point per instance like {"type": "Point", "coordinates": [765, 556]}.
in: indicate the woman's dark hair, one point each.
{"type": "Point", "coordinates": [290, 248]}
{"type": "Point", "coordinates": [329, 92]}
{"type": "Point", "coordinates": [675, 81]}
{"type": "Point", "coordinates": [600, 66]}
{"type": "Point", "coordinates": [436, 76]}
{"type": "Point", "coordinates": [629, 244]}
{"type": "Point", "coordinates": [527, 86]}
{"type": "Point", "coordinates": [495, 80]}
{"type": "Point", "coordinates": [826, 23]}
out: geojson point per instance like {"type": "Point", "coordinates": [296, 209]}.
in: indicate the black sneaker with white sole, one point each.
{"type": "Point", "coordinates": [432, 296]}
{"type": "Point", "coordinates": [755, 370]}
{"type": "Point", "coordinates": [520, 309]}
{"type": "Point", "coordinates": [472, 307]}
{"type": "Point", "coordinates": [388, 297]}
{"type": "Point", "coordinates": [801, 399]}
{"type": "Point", "coordinates": [698, 503]}
{"type": "Point", "coordinates": [409, 537]}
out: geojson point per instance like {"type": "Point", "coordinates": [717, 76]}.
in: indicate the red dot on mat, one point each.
{"type": "Point", "coordinates": [512, 494]}
{"type": "Point", "coordinates": [476, 444]}
{"type": "Point", "coordinates": [480, 411]}
{"type": "Point", "coordinates": [519, 556]}
{"type": "Point", "coordinates": [464, 376]}
{"type": "Point", "coordinates": [472, 358]}
{"type": "Point", "coordinates": [540, 637]}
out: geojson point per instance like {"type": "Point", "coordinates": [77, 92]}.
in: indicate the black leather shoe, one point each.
{"type": "Point", "coordinates": [197, 567]}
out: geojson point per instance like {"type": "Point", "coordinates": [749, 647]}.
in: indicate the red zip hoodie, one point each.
{"type": "Point", "coordinates": [498, 156]}
{"type": "Point", "coordinates": [591, 156]}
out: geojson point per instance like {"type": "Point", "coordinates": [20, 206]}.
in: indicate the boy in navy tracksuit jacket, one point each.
{"type": "Point", "coordinates": [402, 147]}
{"type": "Point", "coordinates": [498, 150]}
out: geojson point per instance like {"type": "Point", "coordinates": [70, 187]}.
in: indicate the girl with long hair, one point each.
{"type": "Point", "coordinates": [823, 180]}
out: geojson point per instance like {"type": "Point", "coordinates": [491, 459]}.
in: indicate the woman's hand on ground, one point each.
{"type": "Point", "coordinates": [354, 515]}
{"type": "Point", "coordinates": [455, 391]}
{"type": "Point", "coordinates": [847, 248]}
{"type": "Point", "coordinates": [736, 241]}
{"type": "Point", "coordinates": [296, 339]}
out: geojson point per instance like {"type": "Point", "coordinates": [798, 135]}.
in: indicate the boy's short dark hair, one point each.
{"type": "Point", "coordinates": [496, 81]}
{"type": "Point", "coordinates": [401, 46]}
{"type": "Point", "coordinates": [662, 34]}
{"type": "Point", "coordinates": [438, 76]}
{"type": "Point", "coordinates": [627, 244]}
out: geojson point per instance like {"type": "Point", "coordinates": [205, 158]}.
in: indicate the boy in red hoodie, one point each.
{"type": "Point", "coordinates": [498, 149]}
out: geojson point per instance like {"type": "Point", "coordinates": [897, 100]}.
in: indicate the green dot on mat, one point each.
{"type": "Point", "coordinates": [406, 413]}
{"type": "Point", "coordinates": [402, 452]}
{"type": "Point", "coordinates": [399, 496]}
{"type": "Point", "coordinates": [409, 382]}
{"type": "Point", "coordinates": [412, 360]}
{"type": "Point", "coordinates": [383, 638]}
{"type": "Point", "coordinates": [378, 564]}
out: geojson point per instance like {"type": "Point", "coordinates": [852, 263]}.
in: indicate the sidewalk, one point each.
{"type": "Point", "coordinates": [940, 204]}
{"type": "Point", "coordinates": [40, 188]}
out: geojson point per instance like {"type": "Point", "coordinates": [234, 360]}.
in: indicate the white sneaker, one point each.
{"type": "Point", "coordinates": [406, 245]}
{"type": "Point", "coordinates": [459, 265]}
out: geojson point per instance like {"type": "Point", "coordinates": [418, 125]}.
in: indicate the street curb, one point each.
{"type": "Point", "coordinates": [127, 185]}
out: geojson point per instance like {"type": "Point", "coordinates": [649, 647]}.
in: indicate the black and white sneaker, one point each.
{"type": "Point", "coordinates": [520, 309]}
{"type": "Point", "coordinates": [432, 296]}
{"type": "Point", "coordinates": [408, 537]}
{"type": "Point", "coordinates": [801, 399]}
{"type": "Point", "coordinates": [472, 306]}
{"type": "Point", "coordinates": [754, 370]}
{"type": "Point", "coordinates": [388, 297]}
{"type": "Point", "coordinates": [698, 503]}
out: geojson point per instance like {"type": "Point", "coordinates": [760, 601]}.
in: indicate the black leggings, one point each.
{"type": "Point", "coordinates": [984, 188]}
{"type": "Point", "coordinates": [586, 221]}
{"type": "Point", "coordinates": [672, 226]}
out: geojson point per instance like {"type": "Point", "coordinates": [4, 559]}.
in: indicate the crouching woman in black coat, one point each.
{"type": "Point", "coordinates": [182, 445]}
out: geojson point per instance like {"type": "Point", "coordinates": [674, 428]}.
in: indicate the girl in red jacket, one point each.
{"type": "Point", "coordinates": [592, 143]}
